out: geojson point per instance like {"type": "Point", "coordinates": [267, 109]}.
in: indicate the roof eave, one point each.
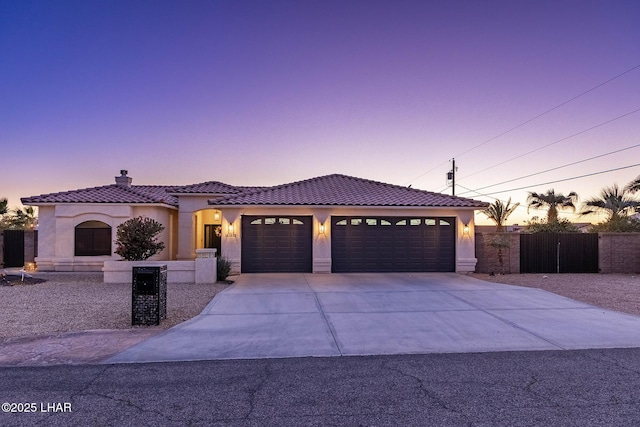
{"type": "Point", "coordinates": [164, 205]}
{"type": "Point", "coordinates": [309, 205]}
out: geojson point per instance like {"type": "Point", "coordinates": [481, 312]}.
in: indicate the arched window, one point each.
{"type": "Point", "coordinates": [93, 238]}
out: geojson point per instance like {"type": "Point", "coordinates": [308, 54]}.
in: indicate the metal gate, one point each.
{"type": "Point", "coordinates": [559, 253]}
{"type": "Point", "coordinates": [13, 254]}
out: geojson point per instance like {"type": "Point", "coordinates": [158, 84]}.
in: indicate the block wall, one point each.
{"type": "Point", "coordinates": [487, 253]}
{"type": "Point", "coordinates": [619, 252]}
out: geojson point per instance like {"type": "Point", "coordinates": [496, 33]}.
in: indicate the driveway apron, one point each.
{"type": "Point", "coordinates": [298, 315]}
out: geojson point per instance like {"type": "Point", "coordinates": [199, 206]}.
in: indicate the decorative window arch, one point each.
{"type": "Point", "coordinates": [92, 238]}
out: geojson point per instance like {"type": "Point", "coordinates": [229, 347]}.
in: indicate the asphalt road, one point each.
{"type": "Point", "coordinates": [541, 388]}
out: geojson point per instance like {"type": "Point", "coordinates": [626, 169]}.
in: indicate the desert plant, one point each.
{"type": "Point", "coordinates": [498, 212]}
{"type": "Point", "coordinates": [137, 239]}
{"type": "Point", "coordinates": [553, 202]}
{"type": "Point", "coordinates": [224, 268]}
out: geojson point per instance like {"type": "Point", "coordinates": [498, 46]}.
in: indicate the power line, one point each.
{"type": "Point", "coordinates": [552, 169]}
{"type": "Point", "coordinates": [553, 143]}
{"type": "Point", "coordinates": [429, 171]}
{"type": "Point", "coordinates": [519, 206]}
{"type": "Point", "coordinates": [562, 180]}
{"type": "Point", "coordinates": [530, 120]}
{"type": "Point", "coordinates": [550, 110]}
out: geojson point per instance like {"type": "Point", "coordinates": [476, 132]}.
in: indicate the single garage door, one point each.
{"type": "Point", "coordinates": [392, 244]}
{"type": "Point", "coordinates": [276, 244]}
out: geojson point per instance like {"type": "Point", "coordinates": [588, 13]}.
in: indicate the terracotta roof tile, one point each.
{"type": "Point", "coordinates": [342, 190]}
{"type": "Point", "coordinates": [330, 190]}
{"type": "Point", "coordinates": [212, 187]}
{"type": "Point", "coordinates": [113, 193]}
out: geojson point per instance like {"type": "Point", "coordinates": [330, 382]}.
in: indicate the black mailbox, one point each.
{"type": "Point", "coordinates": [149, 295]}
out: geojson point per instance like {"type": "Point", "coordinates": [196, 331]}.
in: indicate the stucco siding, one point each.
{"type": "Point", "coordinates": [321, 248]}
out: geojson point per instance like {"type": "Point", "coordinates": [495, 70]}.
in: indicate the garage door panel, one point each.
{"type": "Point", "coordinates": [363, 244]}
{"type": "Point", "coordinates": [276, 244]}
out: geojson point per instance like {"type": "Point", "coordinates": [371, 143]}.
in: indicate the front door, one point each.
{"type": "Point", "coordinates": [213, 237]}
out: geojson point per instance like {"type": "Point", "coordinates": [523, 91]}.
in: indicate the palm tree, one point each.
{"type": "Point", "coordinates": [633, 186]}
{"type": "Point", "coordinates": [498, 212]}
{"type": "Point", "coordinates": [24, 218]}
{"type": "Point", "coordinates": [4, 206]}
{"type": "Point", "coordinates": [615, 202]}
{"type": "Point", "coordinates": [553, 202]}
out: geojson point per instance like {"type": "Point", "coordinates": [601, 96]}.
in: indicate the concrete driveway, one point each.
{"type": "Point", "coordinates": [295, 315]}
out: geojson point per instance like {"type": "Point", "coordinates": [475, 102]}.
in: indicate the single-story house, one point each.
{"type": "Point", "coordinates": [333, 223]}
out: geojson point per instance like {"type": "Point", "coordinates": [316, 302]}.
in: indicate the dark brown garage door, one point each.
{"type": "Point", "coordinates": [392, 244]}
{"type": "Point", "coordinates": [276, 244]}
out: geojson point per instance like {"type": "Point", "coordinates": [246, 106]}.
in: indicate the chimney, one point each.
{"type": "Point", "coordinates": [123, 180]}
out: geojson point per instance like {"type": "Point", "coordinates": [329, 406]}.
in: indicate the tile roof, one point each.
{"type": "Point", "coordinates": [212, 187]}
{"type": "Point", "coordinates": [330, 190]}
{"type": "Point", "coordinates": [342, 190]}
{"type": "Point", "coordinates": [135, 194]}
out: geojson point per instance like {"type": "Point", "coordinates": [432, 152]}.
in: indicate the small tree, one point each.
{"type": "Point", "coordinates": [137, 239]}
{"type": "Point", "coordinates": [500, 241]}
{"type": "Point", "coordinates": [498, 212]}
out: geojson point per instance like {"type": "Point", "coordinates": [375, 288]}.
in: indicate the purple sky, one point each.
{"type": "Point", "coordinates": [269, 92]}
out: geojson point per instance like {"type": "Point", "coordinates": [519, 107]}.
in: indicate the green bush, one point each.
{"type": "Point", "coordinates": [224, 268]}
{"type": "Point", "coordinates": [617, 225]}
{"type": "Point", "coordinates": [562, 225]}
{"type": "Point", "coordinates": [136, 239]}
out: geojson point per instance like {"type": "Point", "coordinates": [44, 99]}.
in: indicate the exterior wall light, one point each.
{"type": "Point", "coordinates": [230, 232]}
{"type": "Point", "coordinates": [321, 228]}
{"type": "Point", "coordinates": [465, 230]}
{"type": "Point", "coordinates": [216, 216]}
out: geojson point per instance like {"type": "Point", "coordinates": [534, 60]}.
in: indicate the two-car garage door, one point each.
{"type": "Point", "coordinates": [392, 244]}
{"type": "Point", "coordinates": [358, 244]}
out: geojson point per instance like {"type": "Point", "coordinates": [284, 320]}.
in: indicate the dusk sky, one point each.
{"type": "Point", "coordinates": [270, 92]}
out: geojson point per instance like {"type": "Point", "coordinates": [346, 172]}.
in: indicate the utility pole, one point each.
{"type": "Point", "coordinates": [453, 181]}
{"type": "Point", "coordinates": [451, 176]}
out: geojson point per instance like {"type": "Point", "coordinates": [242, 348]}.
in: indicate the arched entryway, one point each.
{"type": "Point", "coordinates": [208, 226]}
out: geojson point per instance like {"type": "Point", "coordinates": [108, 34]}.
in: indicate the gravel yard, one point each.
{"type": "Point", "coordinates": [619, 292]}
{"type": "Point", "coordinates": [70, 302]}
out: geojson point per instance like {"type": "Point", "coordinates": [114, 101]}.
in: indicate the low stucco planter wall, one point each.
{"type": "Point", "coordinates": [177, 271]}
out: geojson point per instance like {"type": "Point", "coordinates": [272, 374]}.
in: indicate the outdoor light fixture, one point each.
{"type": "Point", "coordinates": [465, 230]}
{"type": "Point", "coordinates": [230, 232]}
{"type": "Point", "coordinates": [216, 216]}
{"type": "Point", "coordinates": [321, 228]}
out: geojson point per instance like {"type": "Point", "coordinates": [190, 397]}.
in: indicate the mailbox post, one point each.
{"type": "Point", "coordinates": [149, 295]}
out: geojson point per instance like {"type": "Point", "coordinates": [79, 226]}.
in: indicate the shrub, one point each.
{"type": "Point", "coordinates": [137, 239]}
{"type": "Point", "coordinates": [224, 268]}
{"type": "Point", "coordinates": [617, 225]}
{"type": "Point", "coordinates": [562, 225]}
